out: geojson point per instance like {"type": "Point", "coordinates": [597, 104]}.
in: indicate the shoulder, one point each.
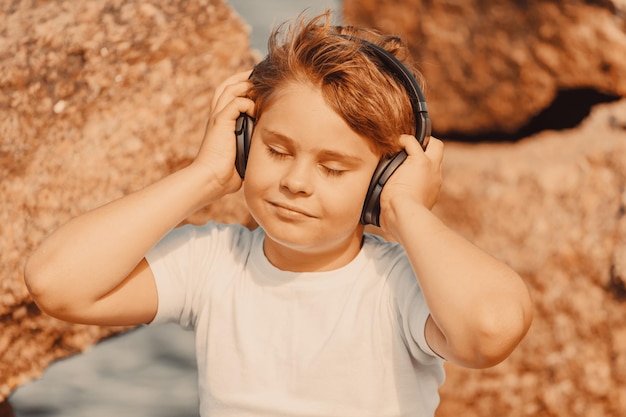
{"type": "Point", "coordinates": [382, 251]}
{"type": "Point", "coordinates": [220, 236]}
{"type": "Point", "coordinates": [391, 263]}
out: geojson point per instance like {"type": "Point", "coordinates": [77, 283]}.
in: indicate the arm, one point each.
{"type": "Point", "coordinates": [480, 308]}
{"type": "Point", "coordinates": [92, 269]}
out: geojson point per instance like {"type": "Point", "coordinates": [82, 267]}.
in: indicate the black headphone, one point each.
{"type": "Point", "coordinates": [387, 166]}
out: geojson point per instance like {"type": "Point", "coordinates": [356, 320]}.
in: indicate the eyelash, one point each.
{"type": "Point", "coordinates": [332, 172]}
{"type": "Point", "coordinates": [274, 153]}
{"type": "Point", "coordinates": [279, 155]}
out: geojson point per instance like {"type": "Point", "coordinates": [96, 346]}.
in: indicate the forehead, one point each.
{"type": "Point", "coordinates": [298, 112]}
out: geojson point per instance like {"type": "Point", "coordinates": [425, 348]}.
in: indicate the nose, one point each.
{"type": "Point", "coordinates": [297, 178]}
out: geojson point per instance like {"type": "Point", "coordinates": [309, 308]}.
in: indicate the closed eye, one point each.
{"type": "Point", "coordinates": [275, 153]}
{"type": "Point", "coordinates": [332, 172]}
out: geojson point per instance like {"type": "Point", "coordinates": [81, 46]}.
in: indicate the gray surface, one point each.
{"type": "Point", "coordinates": [262, 16]}
{"type": "Point", "coordinates": [149, 372]}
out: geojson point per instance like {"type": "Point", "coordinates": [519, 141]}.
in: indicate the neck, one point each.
{"type": "Point", "coordinates": [301, 260]}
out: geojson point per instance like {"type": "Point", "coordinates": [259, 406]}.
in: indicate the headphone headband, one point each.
{"type": "Point", "coordinates": [408, 81]}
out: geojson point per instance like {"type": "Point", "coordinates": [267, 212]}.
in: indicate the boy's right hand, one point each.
{"type": "Point", "coordinates": [81, 273]}
{"type": "Point", "coordinates": [216, 156]}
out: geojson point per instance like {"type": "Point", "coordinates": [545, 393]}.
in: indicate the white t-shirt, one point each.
{"type": "Point", "coordinates": [272, 343]}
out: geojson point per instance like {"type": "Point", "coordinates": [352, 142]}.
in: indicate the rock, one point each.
{"type": "Point", "coordinates": [552, 206]}
{"type": "Point", "coordinates": [97, 99]}
{"type": "Point", "coordinates": [493, 68]}
{"type": "Point", "coordinates": [6, 410]}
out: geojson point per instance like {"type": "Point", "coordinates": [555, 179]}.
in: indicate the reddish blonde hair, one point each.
{"type": "Point", "coordinates": [353, 83]}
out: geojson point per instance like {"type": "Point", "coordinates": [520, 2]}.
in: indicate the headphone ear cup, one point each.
{"type": "Point", "coordinates": [385, 169]}
{"type": "Point", "coordinates": [243, 136]}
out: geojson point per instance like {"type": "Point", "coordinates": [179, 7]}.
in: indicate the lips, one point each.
{"type": "Point", "coordinates": [290, 210]}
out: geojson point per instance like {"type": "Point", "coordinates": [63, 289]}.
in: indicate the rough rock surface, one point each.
{"type": "Point", "coordinates": [553, 206]}
{"type": "Point", "coordinates": [100, 98]}
{"type": "Point", "coordinates": [494, 66]}
{"type": "Point", "coordinates": [97, 99]}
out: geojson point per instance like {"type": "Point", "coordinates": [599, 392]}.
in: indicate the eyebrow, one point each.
{"type": "Point", "coordinates": [323, 153]}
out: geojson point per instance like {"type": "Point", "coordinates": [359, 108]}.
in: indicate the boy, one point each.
{"type": "Point", "coordinates": [307, 314]}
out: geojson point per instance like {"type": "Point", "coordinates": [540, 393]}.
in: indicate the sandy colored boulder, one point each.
{"type": "Point", "coordinates": [97, 99]}
{"type": "Point", "coordinates": [493, 67]}
{"type": "Point", "coordinates": [100, 98]}
{"type": "Point", "coordinates": [552, 206]}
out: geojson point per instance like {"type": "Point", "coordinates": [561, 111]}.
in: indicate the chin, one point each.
{"type": "Point", "coordinates": [295, 238]}
{"type": "Point", "coordinates": [312, 239]}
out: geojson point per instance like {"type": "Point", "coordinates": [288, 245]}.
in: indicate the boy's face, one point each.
{"type": "Point", "coordinates": [306, 180]}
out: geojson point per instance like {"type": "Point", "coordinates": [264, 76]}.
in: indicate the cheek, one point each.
{"type": "Point", "coordinates": [350, 196]}
{"type": "Point", "coordinates": [256, 170]}
{"type": "Point", "coordinates": [253, 185]}
{"type": "Point", "coordinates": [250, 185]}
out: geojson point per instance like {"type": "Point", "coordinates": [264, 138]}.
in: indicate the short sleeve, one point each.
{"type": "Point", "coordinates": [411, 309]}
{"type": "Point", "coordinates": [171, 261]}
{"type": "Point", "coordinates": [185, 264]}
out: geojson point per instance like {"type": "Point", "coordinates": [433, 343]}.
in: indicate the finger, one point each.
{"type": "Point", "coordinates": [232, 79]}
{"type": "Point", "coordinates": [235, 78]}
{"type": "Point", "coordinates": [230, 112]}
{"type": "Point", "coordinates": [229, 93]}
{"type": "Point", "coordinates": [434, 150]}
{"type": "Point", "coordinates": [411, 145]}
{"type": "Point", "coordinates": [226, 117]}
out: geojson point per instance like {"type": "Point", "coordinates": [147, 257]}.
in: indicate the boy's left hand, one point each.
{"type": "Point", "coordinates": [416, 182]}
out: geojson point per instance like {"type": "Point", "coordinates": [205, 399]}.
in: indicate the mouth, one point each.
{"type": "Point", "coordinates": [290, 211]}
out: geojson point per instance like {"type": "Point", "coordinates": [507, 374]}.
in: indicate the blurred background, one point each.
{"type": "Point", "coordinates": [147, 371]}
{"type": "Point", "coordinates": [101, 97]}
